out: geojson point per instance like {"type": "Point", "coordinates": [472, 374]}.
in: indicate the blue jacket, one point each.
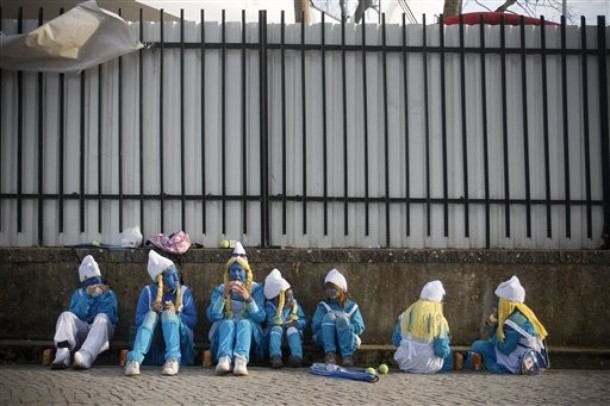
{"type": "Point", "coordinates": [188, 315]}
{"type": "Point", "coordinates": [86, 307]}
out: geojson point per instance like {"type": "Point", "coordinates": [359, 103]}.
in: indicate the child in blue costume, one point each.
{"type": "Point", "coordinates": [237, 312]}
{"type": "Point", "coordinates": [89, 323]}
{"type": "Point", "coordinates": [165, 319]}
{"type": "Point", "coordinates": [285, 320]}
{"type": "Point", "coordinates": [518, 334]}
{"type": "Point", "coordinates": [422, 334]}
{"type": "Point", "coordinates": [337, 321]}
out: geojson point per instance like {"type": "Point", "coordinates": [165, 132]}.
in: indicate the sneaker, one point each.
{"type": "Point", "coordinates": [240, 366]}
{"type": "Point", "coordinates": [171, 367]}
{"type": "Point", "coordinates": [82, 360]}
{"type": "Point", "coordinates": [330, 358]}
{"type": "Point", "coordinates": [529, 364]}
{"type": "Point", "coordinates": [276, 362]}
{"type": "Point", "coordinates": [62, 359]}
{"type": "Point", "coordinates": [348, 362]}
{"type": "Point", "coordinates": [224, 365]}
{"type": "Point", "coordinates": [294, 361]}
{"type": "Point", "coordinates": [132, 368]}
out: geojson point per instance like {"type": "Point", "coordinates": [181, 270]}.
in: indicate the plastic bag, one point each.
{"type": "Point", "coordinates": [131, 237]}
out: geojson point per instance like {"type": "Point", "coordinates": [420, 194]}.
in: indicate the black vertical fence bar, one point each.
{"type": "Point", "coordinates": [202, 52]}
{"type": "Point", "coordinates": [182, 131]}
{"type": "Point", "coordinates": [464, 124]}
{"type": "Point", "coordinates": [365, 117]}
{"type": "Point", "coordinates": [1, 93]}
{"type": "Point", "coordinates": [140, 115]}
{"type": "Point", "coordinates": [304, 121]}
{"type": "Point", "coordinates": [283, 84]}
{"type": "Point", "coordinates": [386, 131]}
{"type": "Point", "coordinates": [585, 116]}
{"type": "Point", "coordinates": [324, 132]}
{"type": "Point", "coordinates": [566, 145]}
{"type": "Point", "coordinates": [406, 154]}
{"type": "Point", "coordinates": [345, 154]}
{"type": "Point", "coordinates": [161, 117]}
{"type": "Point", "coordinates": [100, 127]}
{"type": "Point", "coordinates": [39, 152]}
{"type": "Point", "coordinates": [504, 108]}
{"type": "Point", "coordinates": [62, 137]}
{"type": "Point", "coordinates": [120, 139]}
{"type": "Point", "coordinates": [602, 60]}
{"type": "Point", "coordinates": [525, 130]}
{"type": "Point", "coordinates": [545, 129]}
{"type": "Point", "coordinates": [441, 27]}
{"type": "Point", "coordinates": [264, 132]}
{"type": "Point", "coordinates": [81, 164]}
{"type": "Point", "coordinates": [223, 124]}
{"type": "Point", "coordinates": [485, 141]}
{"type": "Point", "coordinates": [426, 126]}
{"type": "Point", "coordinates": [244, 127]}
{"type": "Point", "coordinates": [20, 119]}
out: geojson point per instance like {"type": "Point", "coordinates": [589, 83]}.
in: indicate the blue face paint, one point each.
{"type": "Point", "coordinates": [289, 297]}
{"type": "Point", "coordinates": [96, 280]}
{"type": "Point", "coordinates": [237, 273]}
{"type": "Point", "coordinates": [331, 291]}
{"type": "Point", "coordinates": [170, 278]}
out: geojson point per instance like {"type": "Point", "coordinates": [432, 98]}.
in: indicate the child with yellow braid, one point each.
{"type": "Point", "coordinates": [285, 320]}
{"type": "Point", "coordinates": [422, 334]}
{"type": "Point", "coordinates": [516, 344]}
{"type": "Point", "coordinates": [237, 312]}
{"type": "Point", "coordinates": [165, 319]}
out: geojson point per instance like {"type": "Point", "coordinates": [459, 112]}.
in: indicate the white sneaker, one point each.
{"type": "Point", "coordinates": [224, 365]}
{"type": "Point", "coordinates": [132, 368]}
{"type": "Point", "coordinates": [82, 360]}
{"type": "Point", "coordinates": [240, 366]}
{"type": "Point", "coordinates": [62, 359]}
{"type": "Point", "coordinates": [171, 367]}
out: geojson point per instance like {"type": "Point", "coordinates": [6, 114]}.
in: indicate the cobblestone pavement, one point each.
{"type": "Point", "coordinates": [103, 385]}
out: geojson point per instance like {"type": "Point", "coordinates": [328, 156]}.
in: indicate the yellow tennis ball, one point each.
{"type": "Point", "coordinates": [383, 369]}
{"type": "Point", "coordinates": [370, 371]}
{"type": "Point", "coordinates": [224, 244]}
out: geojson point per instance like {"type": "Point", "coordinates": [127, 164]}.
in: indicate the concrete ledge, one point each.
{"type": "Point", "coordinates": [30, 352]}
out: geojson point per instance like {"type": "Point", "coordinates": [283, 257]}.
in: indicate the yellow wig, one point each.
{"type": "Point", "coordinates": [506, 308]}
{"type": "Point", "coordinates": [424, 320]}
{"type": "Point", "coordinates": [244, 264]}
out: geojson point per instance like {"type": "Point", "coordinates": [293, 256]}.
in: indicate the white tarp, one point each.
{"type": "Point", "coordinates": [83, 37]}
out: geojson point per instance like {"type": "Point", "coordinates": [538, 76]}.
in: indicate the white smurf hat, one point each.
{"type": "Point", "coordinates": [88, 268]}
{"type": "Point", "coordinates": [239, 250]}
{"type": "Point", "coordinates": [335, 277]}
{"type": "Point", "coordinates": [433, 291]}
{"type": "Point", "coordinates": [157, 264]}
{"type": "Point", "coordinates": [274, 284]}
{"type": "Point", "coordinates": [511, 290]}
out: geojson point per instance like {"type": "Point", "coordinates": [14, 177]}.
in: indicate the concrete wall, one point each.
{"type": "Point", "coordinates": [567, 289]}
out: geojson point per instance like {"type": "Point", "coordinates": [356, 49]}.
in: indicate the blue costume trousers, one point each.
{"type": "Point", "coordinates": [336, 329]}
{"type": "Point", "coordinates": [174, 333]}
{"type": "Point", "coordinates": [293, 337]}
{"type": "Point", "coordinates": [487, 350]}
{"type": "Point", "coordinates": [234, 338]}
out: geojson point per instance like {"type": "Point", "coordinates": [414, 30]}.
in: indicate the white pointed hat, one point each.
{"type": "Point", "coordinates": [157, 264]}
{"type": "Point", "coordinates": [274, 284]}
{"type": "Point", "coordinates": [239, 250]}
{"type": "Point", "coordinates": [336, 278]}
{"type": "Point", "coordinates": [511, 290]}
{"type": "Point", "coordinates": [88, 268]}
{"type": "Point", "coordinates": [433, 291]}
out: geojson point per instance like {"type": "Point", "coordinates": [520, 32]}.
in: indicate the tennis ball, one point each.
{"type": "Point", "coordinates": [383, 369]}
{"type": "Point", "coordinates": [224, 244]}
{"type": "Point", "coordinates": [370, 371]}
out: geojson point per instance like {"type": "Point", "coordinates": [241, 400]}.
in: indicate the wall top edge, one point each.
{"type": "Point", "coordinates": [318, 255]}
